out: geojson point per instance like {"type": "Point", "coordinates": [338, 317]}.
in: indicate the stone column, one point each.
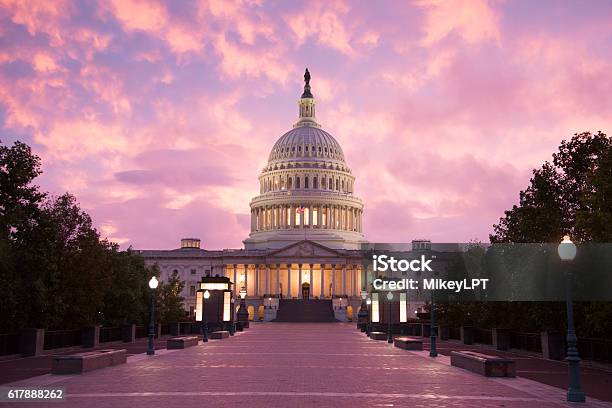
{"type": "Point", "coordinates": [289, 280]}
{"type": "Point", "coordinates": [320, 214]}
{"type": "Point", "coordinates": [310, 293]}
{"type": "Point", "coordinates": [257, 280]}
{"type": "Point", "coordinates": [236, 288]}
{"type": "Point", "coordinates": [300, 279]}
{"type": "Point", "coordinates": [344, 279]}
{"type": "Point", "coordinates": [333, 280]}
{"type": "Point", "coordinates": [346, 218]}
{"type": "Point", "coordinates": [278, 288]}
{"type": "Point", "coordinates": [354, 269]}
{"type": "Point", "coordinates": [246, 278]}
{"type": "Point", "coordinates": [310, 216]}
{"type": "Point", "coordinates": [322, 269]}
{"type": "Point", "coordinates": [292, 216]}
{"type": "Point", "coordinates": [268, 279]}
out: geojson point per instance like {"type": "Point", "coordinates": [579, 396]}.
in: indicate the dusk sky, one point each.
{"type": "Point", "coordinates": [160, 116]}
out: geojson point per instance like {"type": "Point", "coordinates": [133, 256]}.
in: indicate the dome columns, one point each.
{"type": "Point", "coordinates": [314, 216]}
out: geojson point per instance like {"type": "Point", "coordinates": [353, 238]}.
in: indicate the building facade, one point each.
{"type": "Point", "coordinates": [306, 227]}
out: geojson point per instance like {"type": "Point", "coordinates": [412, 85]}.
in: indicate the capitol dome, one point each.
{"type": "Point", "coordinates": [306, 189]}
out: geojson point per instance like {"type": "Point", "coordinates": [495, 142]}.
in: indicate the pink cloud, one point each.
{"type": "Point", "coordinates": [160, 116]}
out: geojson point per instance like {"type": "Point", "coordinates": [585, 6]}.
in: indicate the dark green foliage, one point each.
{"type": "Point", "coordinates": [55, 271]}
{"type": "Point", "coordinates": [572, 195]}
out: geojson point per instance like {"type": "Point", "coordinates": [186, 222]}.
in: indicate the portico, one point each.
{"type": "Point", "coordinates": [280, 274]}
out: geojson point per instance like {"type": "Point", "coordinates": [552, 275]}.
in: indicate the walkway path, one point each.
{"type": "Point", "coordinates": [292, 364]}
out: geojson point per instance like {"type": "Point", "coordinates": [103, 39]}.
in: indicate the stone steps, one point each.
{"type": "Point", "coordinates": [300, 310]}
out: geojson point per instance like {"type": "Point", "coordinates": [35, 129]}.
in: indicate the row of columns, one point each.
{"type": "Point", "coordinates": [283, 183]}
{"type": "Point", "coordinates": [340, 217]}
{"type": "Point", "coordinates": [241, 279]}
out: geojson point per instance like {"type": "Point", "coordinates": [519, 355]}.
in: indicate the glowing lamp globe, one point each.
{"type": "Point", "coordinates": [390, 296]}
{"type": "Point", "coordinates": [567, 249]}
{"type": "Point", "coordinates": [206, 294]}
{"type": "Point", "coordinates": [369, 301]}
{"type": "Point", "coordinates": [243, 293]}
{"type": "Point", "coordinates": [153, 283]}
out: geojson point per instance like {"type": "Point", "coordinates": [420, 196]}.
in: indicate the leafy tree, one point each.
{"type": "Point", "coordinates": [170, 300]}
{"type": "Point", "coordinates": [55, 270]}
{"type": "Point", "coordinates": [571, 195]}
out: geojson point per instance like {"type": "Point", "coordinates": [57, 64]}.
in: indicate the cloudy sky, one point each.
{"type": "Point", "coordinates": [159, 116]}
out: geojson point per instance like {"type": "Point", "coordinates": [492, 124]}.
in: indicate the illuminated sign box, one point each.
{"type": "Point", "coordinates": [217, 309]}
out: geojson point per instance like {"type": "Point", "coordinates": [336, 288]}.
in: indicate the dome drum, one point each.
{"type": "Point", "coordinates": [306, 190]}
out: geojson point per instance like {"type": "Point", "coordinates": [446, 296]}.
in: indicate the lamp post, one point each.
{"type": "Point", "coordinates": [151, 347]}
{"type": "Point", "coordinates": [368, 324]}
{"type": "Point", "coordinates": [206, 296]}
{"type": "Point", "coordinates": [567, 253]}
{"type": "Point", "coordinates": [243, 314]}
{"type": "Point", "coordinates": [433, 352]}
{"type": "Point", "coordinates": [362, 316]}
{"type": "Point", "coordinates": [390, 327]}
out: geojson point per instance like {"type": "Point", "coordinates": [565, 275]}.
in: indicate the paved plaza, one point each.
{"type": "Point", "coordinates": [292, 364]}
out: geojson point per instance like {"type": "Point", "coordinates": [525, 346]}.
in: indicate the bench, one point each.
{"type": "Point", "coordinates": [176, 343]}
{"type": "Point", "coordinates": [218, 335]}
{"type": "Point", "coordinates": [377, 335]}
{"type": "Point", "coordinates": [483, 364]}
{"type": "Point", "coordinates": [87, 361]}
{"type": "Point", "coordinates": [408, 343]}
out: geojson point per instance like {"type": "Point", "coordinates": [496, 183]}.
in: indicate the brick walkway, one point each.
{"type": "Point", "coordinates": [291, 364]}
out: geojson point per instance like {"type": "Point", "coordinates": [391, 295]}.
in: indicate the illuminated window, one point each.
{"type": "Point", "coordinates": [315, 216]}
{"type": "Point", "coordinates": [288, 216]}
{"type": "Point", "coordinates": [306, 216]}
{"type": "Point", "coordinates": [324, 216]}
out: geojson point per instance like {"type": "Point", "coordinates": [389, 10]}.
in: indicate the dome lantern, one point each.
{"type": "Point", "coordinates": [307, 105]}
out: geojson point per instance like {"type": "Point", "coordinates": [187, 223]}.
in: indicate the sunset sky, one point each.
{"type": "Point", "coordinates": [159, 116]}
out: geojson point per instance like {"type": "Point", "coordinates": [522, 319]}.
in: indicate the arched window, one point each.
{"type": "Point", "coordinates": [315, 182]}
{"type": "Point", "coordinates": [343, 186]}
{"type": "Point", "coordinates": [290, 183]}
{"type": "Point", "coordinates": [306, 182]}
{"type": "Point", "coordinates": [331, 184]}
{"type": "Point", "coordinates": [337, 184]}
{"type": "Point", "coordinates": [297, 182]}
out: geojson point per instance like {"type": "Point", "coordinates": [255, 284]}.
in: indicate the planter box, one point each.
{"type": "Point", "coordinates": [377, 335]}
{"type": "Point", "coordinates": [218, 335]}
{"type": "Point", "coordinates": [483, 364]}
{"type": "Point", "coordinates": [408, 343]}
{"type": "Point", "coordinates": [88, 361]}
{"type": "Point", "coordinates": [176, 343]}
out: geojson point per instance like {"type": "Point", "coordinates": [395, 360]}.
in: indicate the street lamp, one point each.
{"type": "Point", "coordinates": [205, 325]}
{"type": "Point", "coordinates": [433, 352]}
{"type": "Point", "coordinates": [362, 316]}
{"type": "Point", "coordinates": [243, 314]}
{"type": "Point", "coordinates": [153, 285]}
{"type": "Point", "coordinates": [390, 327]}
{"type": "Point", "coordinates": [368, 324]}
{"type": "Point", "coordinates": [567, 253]}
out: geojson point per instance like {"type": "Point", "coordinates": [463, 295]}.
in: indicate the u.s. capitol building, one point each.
{"type": "Point", "coordinates": [306, 227]}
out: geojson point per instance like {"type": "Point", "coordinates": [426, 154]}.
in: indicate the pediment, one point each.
{"type": "Point", "coordinates": [305, 249]}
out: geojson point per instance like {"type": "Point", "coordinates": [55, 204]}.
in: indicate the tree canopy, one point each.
{"type": "Point", "coordinates": [55, 269]}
